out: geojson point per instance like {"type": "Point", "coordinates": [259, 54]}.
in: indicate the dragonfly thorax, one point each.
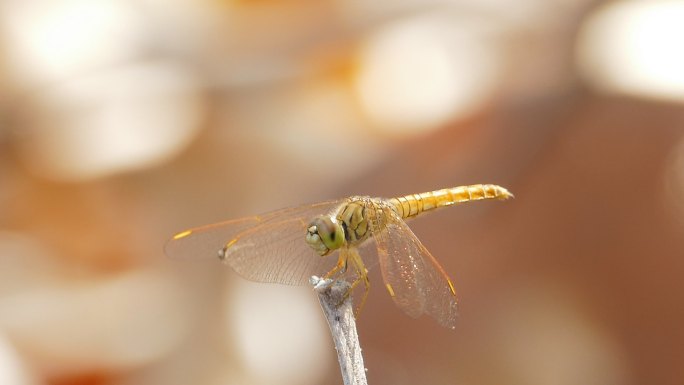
{"type": "Point", "coordinates": [354, 221]}
{"type": "Point", "coordinates": [324, 235]}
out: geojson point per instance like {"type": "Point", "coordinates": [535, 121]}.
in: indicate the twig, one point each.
{"type": "Point", "coordinates": [339, 312]}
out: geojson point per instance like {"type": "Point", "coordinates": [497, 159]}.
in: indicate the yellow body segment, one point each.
{"type": "Point", "coordinates": [411, 205]}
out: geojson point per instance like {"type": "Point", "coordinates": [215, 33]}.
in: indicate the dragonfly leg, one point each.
{"type": "Point", "coordinates": [340, 267]}
{"type": "Point", "coordinates": [362, 276]}
{"type": "Point", "coordinates": [347, 255]}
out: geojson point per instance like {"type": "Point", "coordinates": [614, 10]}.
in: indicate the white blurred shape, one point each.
{"type": "Point", "coordinates": [279, 333]}
{"type": "Point", "coordinates": [12, 369]}
{"type": "Point", "coordinates": [635, 48]}
{"type": "Point", "coordinates": [415, 75]}
{"type": "Point", "coordinates": [50, 40]}
{"type": "Point", "coordinates": [115, 323]}
{"type": "Point", "coordinates": [120, 120]}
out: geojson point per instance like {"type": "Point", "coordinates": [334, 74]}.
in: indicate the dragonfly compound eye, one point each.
{"type": "Point", "coordinates": [324, 235]}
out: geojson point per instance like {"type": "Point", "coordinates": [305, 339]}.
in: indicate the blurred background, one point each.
{"type": "Point", "coordinates": [123, 122]}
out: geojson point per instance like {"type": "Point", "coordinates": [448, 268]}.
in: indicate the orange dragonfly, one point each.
{"type": "Point", "coordinates": [289, 246]}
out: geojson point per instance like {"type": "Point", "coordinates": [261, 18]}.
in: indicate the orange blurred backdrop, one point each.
{"type": "Point", "coordinates": [123, 122]}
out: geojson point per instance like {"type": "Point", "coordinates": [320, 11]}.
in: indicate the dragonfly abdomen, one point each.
{"type": "Point", "coordinates": [411, 205]}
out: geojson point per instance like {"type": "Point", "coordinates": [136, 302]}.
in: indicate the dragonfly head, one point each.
{"type": "Point", "coordinates": [324, 235]}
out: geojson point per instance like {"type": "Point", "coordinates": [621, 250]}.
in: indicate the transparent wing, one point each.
{"type": "Point", "coordinates": [265, 248]}
{"type": "Point", "coordinates": [417, 281]}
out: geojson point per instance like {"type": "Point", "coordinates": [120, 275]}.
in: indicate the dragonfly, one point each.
{"type": "Point", "coordinates": [290, 245]}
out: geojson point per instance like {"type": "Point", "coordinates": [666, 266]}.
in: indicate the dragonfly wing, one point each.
{"type": "Point", "coordinates": [414, 278]}
{"type": "Point", "coordinates": [265, 248]}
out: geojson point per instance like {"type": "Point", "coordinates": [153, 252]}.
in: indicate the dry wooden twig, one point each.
{"type": "Point", "coordinates": [339, 312]}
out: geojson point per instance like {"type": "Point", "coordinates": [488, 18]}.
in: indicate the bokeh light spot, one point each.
{"type": "Point", "coordinates": [122, 120]}
{"type": "Point", "coordinates": [415, 75]}
{"type": "Point", "coordinates": [635, 48]}
{"type": "Point", "coordinates": [51, 40]}
{"type": "Point", "coordinates": [279, 334]}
